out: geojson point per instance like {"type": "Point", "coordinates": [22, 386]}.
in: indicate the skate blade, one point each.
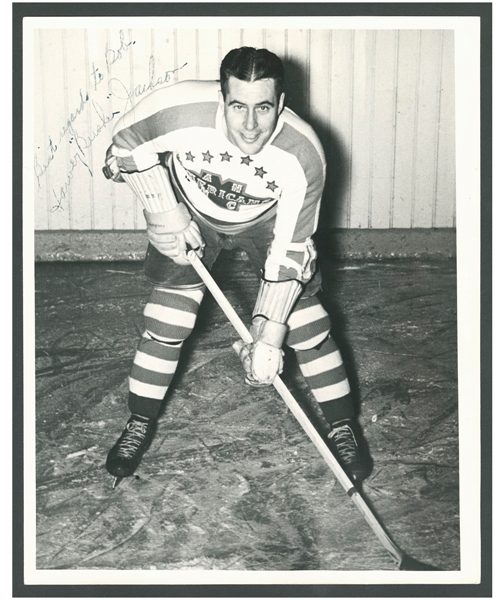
{"type": "Point", "coordinates": [116, 481]}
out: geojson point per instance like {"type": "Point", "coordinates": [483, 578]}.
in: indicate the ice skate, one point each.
{"type": "Point", "coordinates": [125, 456]}
{"type": "Point", "coordinates": [349, 447]}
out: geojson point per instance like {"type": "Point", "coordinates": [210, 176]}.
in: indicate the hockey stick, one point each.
{"type": "Point", "coordinates": [404, 562]}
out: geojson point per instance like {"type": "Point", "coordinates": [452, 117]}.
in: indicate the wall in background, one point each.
{"type": "Point", "coordinates": [382, 102]}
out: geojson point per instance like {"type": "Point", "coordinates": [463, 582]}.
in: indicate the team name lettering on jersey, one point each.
{"type": "Point", "coordinates": [228, 194]}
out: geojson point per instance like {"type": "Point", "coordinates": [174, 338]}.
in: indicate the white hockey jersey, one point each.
{"type": "Point", "coordinates": [228, 189]}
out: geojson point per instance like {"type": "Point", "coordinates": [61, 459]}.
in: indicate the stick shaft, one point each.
{"type": "Point", "coordinates": [298, 413]}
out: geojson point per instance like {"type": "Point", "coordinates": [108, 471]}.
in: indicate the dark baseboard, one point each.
{"type": "Point", "coordinates": [338, 243]}
{"type": "Point", "coordinates": [388, 243]}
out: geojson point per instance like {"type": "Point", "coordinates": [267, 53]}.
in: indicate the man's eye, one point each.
{"type": "Point", "coordinates": [238, 107]}
{"type": "Point", "coordinates": [263, 108]}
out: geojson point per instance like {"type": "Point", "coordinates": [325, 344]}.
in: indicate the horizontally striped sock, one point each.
{"type": "Point", "coordinates": [169, 317]}
{"type": "Point", "coordinates": [324, 371]}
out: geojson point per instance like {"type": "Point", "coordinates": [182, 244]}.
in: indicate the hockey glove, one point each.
{"type": "Point", "coordinates": [263, 359]}
{"type": "Point", "coordinates": [111, 169]}
{"type": "Point", "coordinates": [174, 232]}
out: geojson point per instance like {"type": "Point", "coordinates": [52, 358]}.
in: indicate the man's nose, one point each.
{"type": "Point", "coordinates": [250, 121]}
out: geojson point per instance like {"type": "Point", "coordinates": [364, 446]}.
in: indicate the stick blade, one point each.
{"type": "Point", "coordinates": [411, 564]}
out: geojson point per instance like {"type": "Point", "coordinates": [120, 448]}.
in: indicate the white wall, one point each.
{"type": "Point", "coordinates": [382, 102]}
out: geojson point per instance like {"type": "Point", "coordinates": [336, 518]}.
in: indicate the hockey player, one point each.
{"type": "Point", "coordinates": [224, 165]}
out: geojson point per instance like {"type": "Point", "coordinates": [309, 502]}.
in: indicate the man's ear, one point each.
{"type": "Point", "coordinates": [281, 103]}
{"type": "Point", "coordinates": [221, 100]}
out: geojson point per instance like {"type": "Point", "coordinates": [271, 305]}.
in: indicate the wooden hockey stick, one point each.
{"type": "Point", "coordinates": [404, 562]}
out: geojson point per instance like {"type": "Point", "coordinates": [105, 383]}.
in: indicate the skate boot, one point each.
{"type": "Point", "coordinates": [349, 447]}
{"type": "Point", "coordinates": [125, 456]}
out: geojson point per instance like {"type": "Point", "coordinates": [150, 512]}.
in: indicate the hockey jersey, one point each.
{"type": "Point", "coordinates": [226, 188]}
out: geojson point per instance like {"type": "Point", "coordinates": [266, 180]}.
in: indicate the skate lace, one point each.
{"type": "Point", "coordinates": [345, 442]}
{"type": "Point", "coordinates": [133, 438]}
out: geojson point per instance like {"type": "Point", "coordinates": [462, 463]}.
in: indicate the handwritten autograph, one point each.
{"type": "Point", "coordinates": [40, 169]}
{"type": "Point", "coordinates": [63, 190]}
{"type": "Point", "coordinates": [69, 133]}
{"type": "Point", "coordinates": [120, 91]}
{"type": "Point", "coordinates": [112, 56]}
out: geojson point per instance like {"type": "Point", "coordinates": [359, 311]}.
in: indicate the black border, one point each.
{"type": "Point", "coordinates": [482, 10]}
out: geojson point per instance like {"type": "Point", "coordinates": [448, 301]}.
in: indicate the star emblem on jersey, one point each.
{"type": "Point", "coordinates": [271, 185]}
{"type": "Point", "coordinates": [259, 172]}
{"type": "Point", "coordinates": [207, 156]}
{"type": "Point", "coordinates": [189, 156]}
{"type": "Point", "coordinates": [225, 156]}
{"type": "Point", "coordinates": [246, 160]}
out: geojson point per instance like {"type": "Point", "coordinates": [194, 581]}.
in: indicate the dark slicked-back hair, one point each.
{"type": "Point", "coordinates": [251, 64]}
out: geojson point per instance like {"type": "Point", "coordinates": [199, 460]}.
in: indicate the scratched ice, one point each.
{"type": "Point", "coordinates": [231, 481]}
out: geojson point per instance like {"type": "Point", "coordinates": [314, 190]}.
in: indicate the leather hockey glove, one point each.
{"type": "Point", "coordinates": [174, 232]}
{"type": "Point", "coordinates": [111, 169]}
{"type": "Point", "coordinates": [263, 359]}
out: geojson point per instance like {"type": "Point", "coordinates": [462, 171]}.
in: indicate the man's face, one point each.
{"type": "Point", "coordinates": [251, 111]}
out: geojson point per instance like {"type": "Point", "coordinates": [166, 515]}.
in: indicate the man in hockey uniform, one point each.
{"type": "Point", "coordinates": [223, 165]}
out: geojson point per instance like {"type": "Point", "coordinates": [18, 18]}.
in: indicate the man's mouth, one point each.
{"type": "Point", "coordinates": [250, 139]}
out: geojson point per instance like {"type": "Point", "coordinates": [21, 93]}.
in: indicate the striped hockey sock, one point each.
{"type": "Point", "coordinates": [320, 360]}
{"type": "Point", "coordinates": [169, 317]}
{"type": "Point", "coordinates": [324, 371]}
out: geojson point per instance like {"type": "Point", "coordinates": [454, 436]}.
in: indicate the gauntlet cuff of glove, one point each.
{"type": "Point", "coordinates": [171, 221]}
{"type": "Point", "coordinates": [269, 332]}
